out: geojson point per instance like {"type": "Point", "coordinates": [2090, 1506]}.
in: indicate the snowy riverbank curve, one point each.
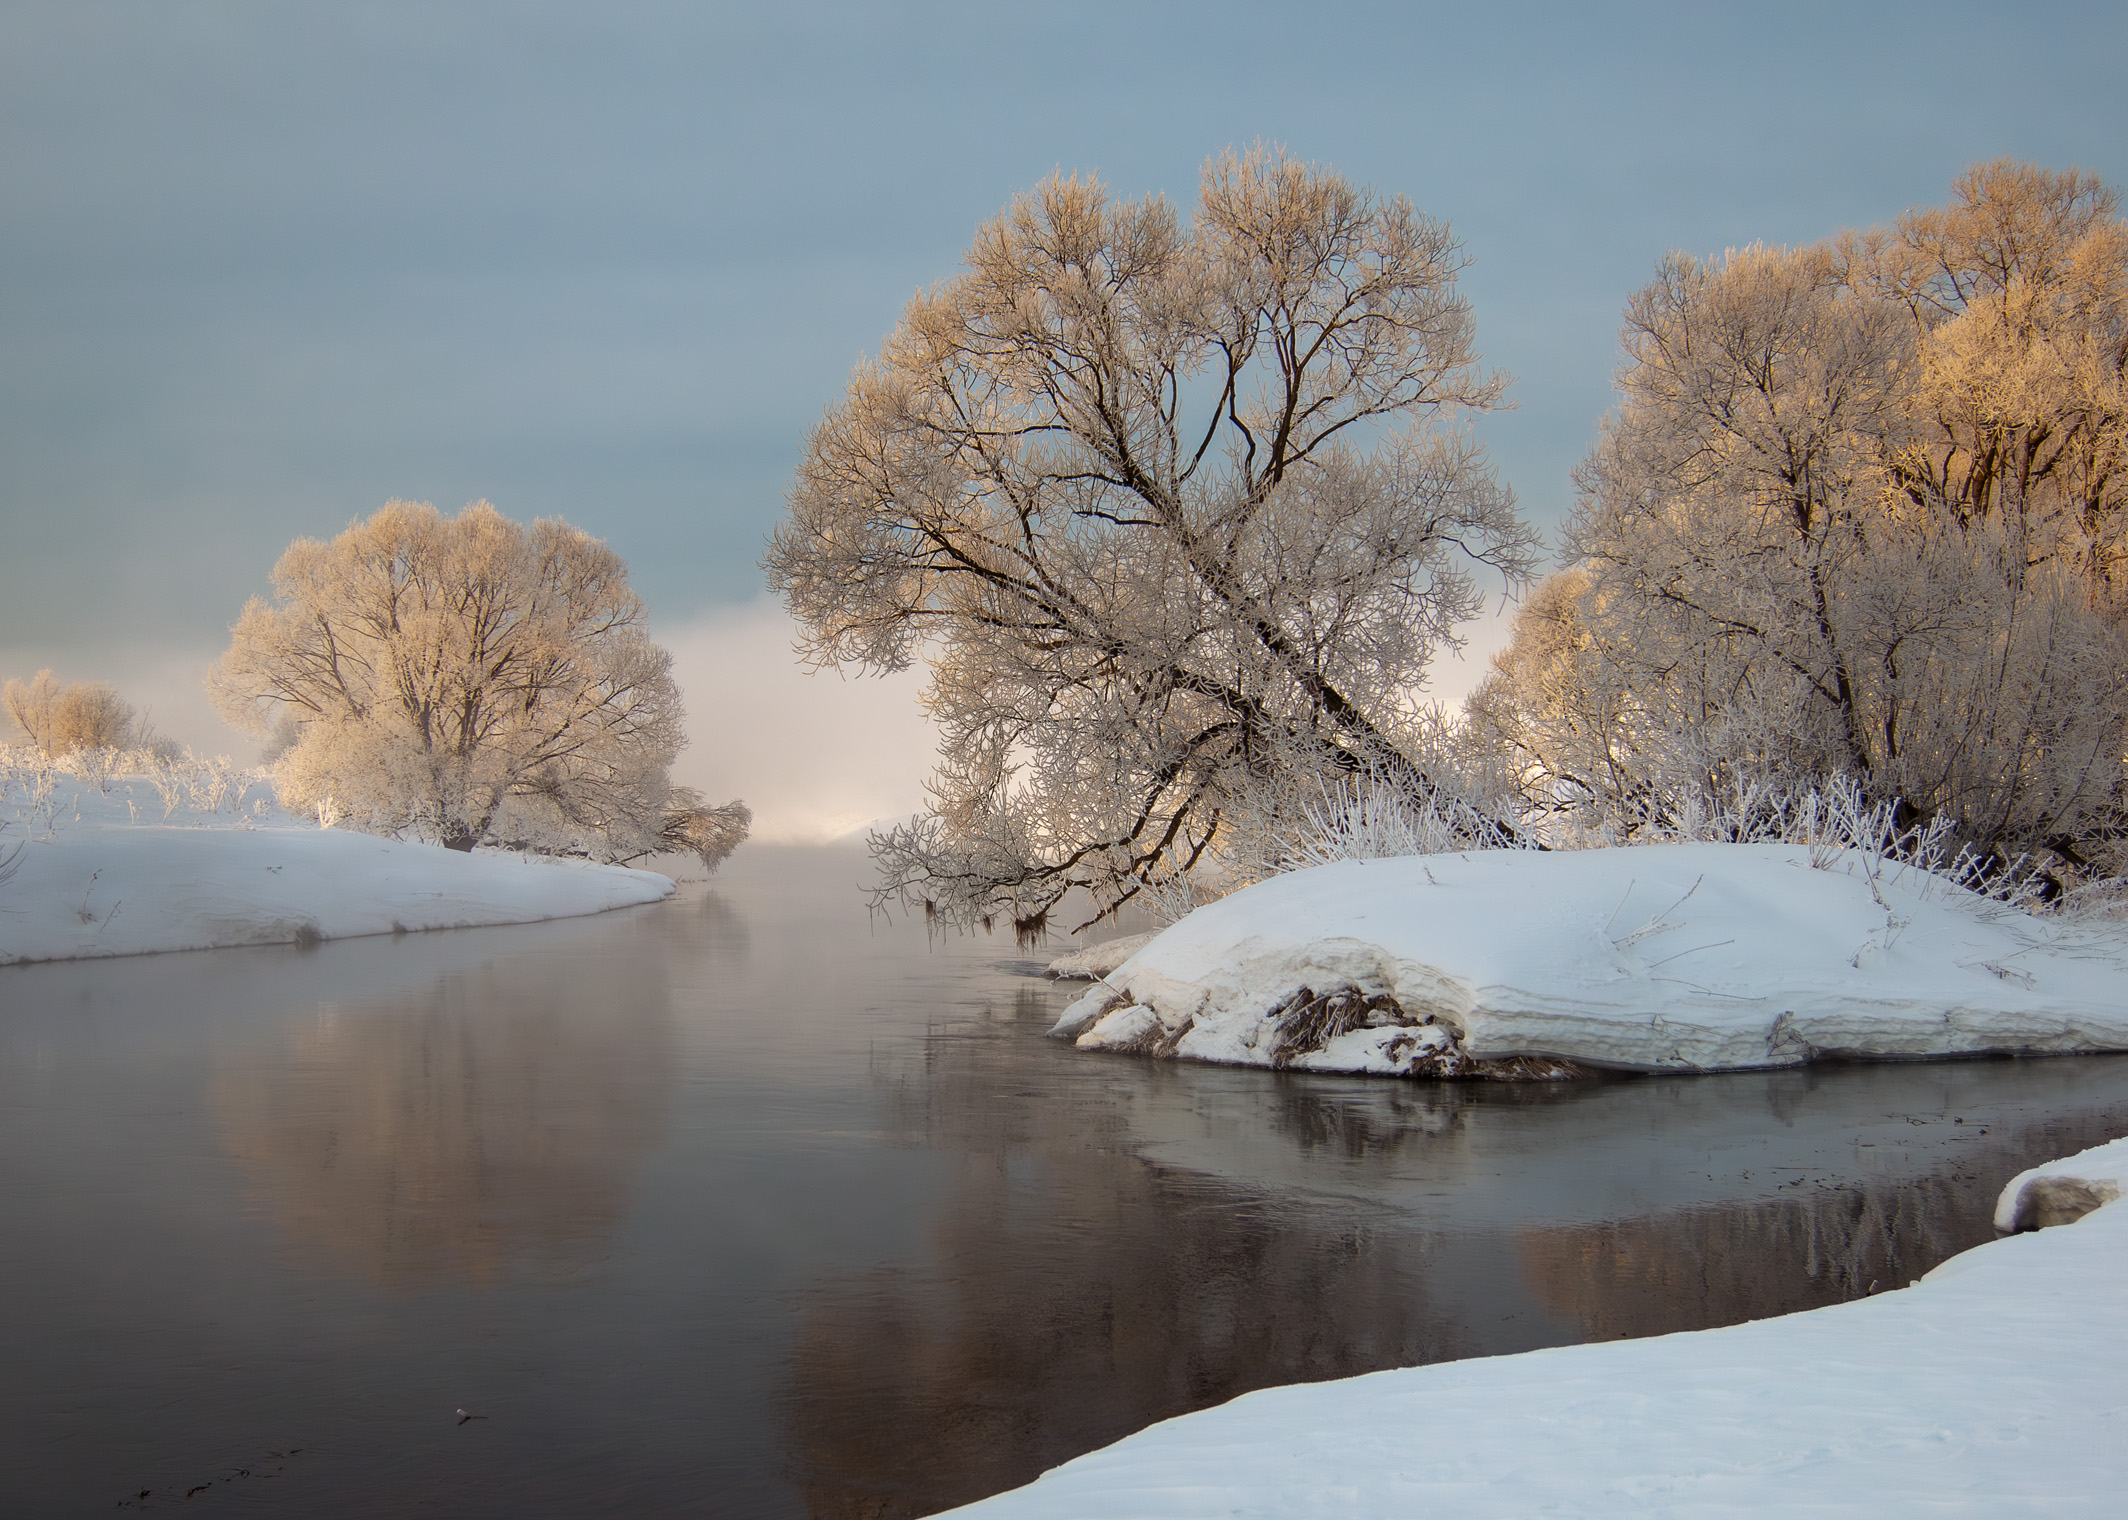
{"type": "Point", "coordinates": [89, 876]}
{"type": "Point", "coordinates": [1693, 957]}
{"type": "Point", "coordinates": [1994, 1386]}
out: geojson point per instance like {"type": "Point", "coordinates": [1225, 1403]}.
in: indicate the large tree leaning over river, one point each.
{"type": "Point", "coordinates": [1177, 514]}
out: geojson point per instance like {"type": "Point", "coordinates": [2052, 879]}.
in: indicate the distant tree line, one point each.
{"type": "Point", "coordinates": [1178, 514]}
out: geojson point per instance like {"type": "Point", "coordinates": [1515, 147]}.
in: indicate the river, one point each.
{"type": "Point", "coordinates": [747, 1204]}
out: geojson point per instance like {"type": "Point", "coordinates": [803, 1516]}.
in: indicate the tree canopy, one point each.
{"type": "Point", "coordinates": [58, 718]}
{"type": "Point", "coordinates": [1176, 513]}
{"type": "Point", "coordinates": [1860, 510]}
{"type": "Point", "coordinates": [471, 680]}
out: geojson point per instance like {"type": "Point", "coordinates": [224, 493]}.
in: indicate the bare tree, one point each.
{"type": "Point", "coordinates": [31, 705]}
{"type": "Point", "coordinates": [1858, 511]}
{"type": "Point", "coordinates": [1168, 509]}
{"type": "Point", "coordinates": [472, 680]}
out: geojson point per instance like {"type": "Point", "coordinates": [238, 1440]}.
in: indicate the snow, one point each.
{"type": "Point", "coordinates": [102, 871]}
{"type": "Point", "coordinates": [1699, 957]}
{"type": "Point", "coordinates": [2059, 1192]}
{"type": "Point", "coordinates": [1097, 961]}
{"type": "Point", "coordinates": [1993, 1386]}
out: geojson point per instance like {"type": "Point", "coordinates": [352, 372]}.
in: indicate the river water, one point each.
{"type": "Point", "coordinates": [747, 1205]}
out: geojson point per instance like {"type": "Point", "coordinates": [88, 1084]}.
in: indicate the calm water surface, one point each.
{"type": "Point", "coordinates": [741, 1205]}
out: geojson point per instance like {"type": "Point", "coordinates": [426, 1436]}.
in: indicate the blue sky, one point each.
{"type": "Point", "coordinates": [264, 266]}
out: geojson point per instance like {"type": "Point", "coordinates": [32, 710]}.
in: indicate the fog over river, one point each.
{"type": "Point", "coordinates": [748, 1205]}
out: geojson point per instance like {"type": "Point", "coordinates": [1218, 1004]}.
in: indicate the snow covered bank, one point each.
{"type": "Point", "coordinates": [1097, 961]}
{"type": "Point", "coordinates": [1994, 1386]}
{"type": "Point", "coordinates": [1673, 957]}
{"type": "Point", "coordinates": [87, 879]}
{"type": "Point", "coordinates": [2063, 1191]}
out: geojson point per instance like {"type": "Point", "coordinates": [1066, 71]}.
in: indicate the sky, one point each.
{"type": "Point", "coordinates": [265, 267]}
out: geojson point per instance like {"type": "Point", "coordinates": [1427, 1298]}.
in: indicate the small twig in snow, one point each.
{"type": "Point", "coordinates": [1656, 925]}
{"type": "Point", "coordinates": [1693, 951]}
{"type": "Point", "coordinates": [1630, 884]}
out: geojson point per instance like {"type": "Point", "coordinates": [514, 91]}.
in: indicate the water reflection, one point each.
{"type": "Point", "coordinates": [1069, 1304]}
{"type": "Point", "coordinates": [487, 1125]}
{"type": "Point", "coordinates": [1074, 1291]}
{"type": "Point", "coordinates": [1081, 1282]}
{"type": "Point", "coordinates": [1832, 1241]}
{"type": "Point", "coordinates": [749, 1205]}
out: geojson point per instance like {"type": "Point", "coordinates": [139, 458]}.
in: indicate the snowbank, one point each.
{"type": "Point", "coordinates": [87, 879]}
{"type": "Point", "coordinates": [1097, 961]}
{"type": "Point", "coordinates": [1677, 957]}
{"type": "Point", "coordinates": [2060, 1192]}
{"type": "Point", "coordinates": [1993, 1386]}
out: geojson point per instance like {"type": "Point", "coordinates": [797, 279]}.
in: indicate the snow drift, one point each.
{"type": "Point", "coordinates": [1690, 957]}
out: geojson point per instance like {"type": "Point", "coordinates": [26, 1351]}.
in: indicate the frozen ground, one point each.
{"type": "Point", "coordinates": [1994, 1386]}
{"type": "Point", "coordinates": [198, 857]}
{"type": "Point", "coordinates": [1700, 957]}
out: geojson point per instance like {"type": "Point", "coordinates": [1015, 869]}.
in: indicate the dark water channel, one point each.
{"type": "Point", "coordinates": [738, 1206]}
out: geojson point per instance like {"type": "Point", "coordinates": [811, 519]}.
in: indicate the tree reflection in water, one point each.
{"type": "Point", "coordinates": [1701, 1267]}
{"type": "Point", "coordinates": [1077, 1291]}
{"type": "Point", "coordinates": [485, 1126]}
{"type": "Point", "coordinates": [746, 1205]}
{"type": "Point", "coordinates": [1066, 1311]}
{"type": "Point", "coordinates": [1081, 1283]}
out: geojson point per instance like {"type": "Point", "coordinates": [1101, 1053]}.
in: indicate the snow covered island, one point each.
{"type": "Point", "coordinates": [1994, 1386]}
{"type": "Point", "coordinates": [1686, 957]}
{"type": "Point", "coordinates": [120, 865]}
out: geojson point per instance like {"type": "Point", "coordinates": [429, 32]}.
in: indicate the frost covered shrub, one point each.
{"type": "Point", "coordinates": [1299, 811]}
{"type": "Point", "coordinates": [29, 791]}
{"type": "Point", "coordinates": [1361, 818]}
{"type": "Point", "coordinates": [33, 780]}
{"type": "Point", "coordinates": [464, 680]}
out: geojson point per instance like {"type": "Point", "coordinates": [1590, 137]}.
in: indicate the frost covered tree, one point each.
{"type": "Point", "coordinates": [1176, 513]}
{"type": "Point", "coordinates": [59, 719]}
{"type": "Point", "coordinates": [471, 680]}
{"type": "Point", "coordinates": [1859, 510]}
{"type": "Point", "coordinates": [2018, 408]}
